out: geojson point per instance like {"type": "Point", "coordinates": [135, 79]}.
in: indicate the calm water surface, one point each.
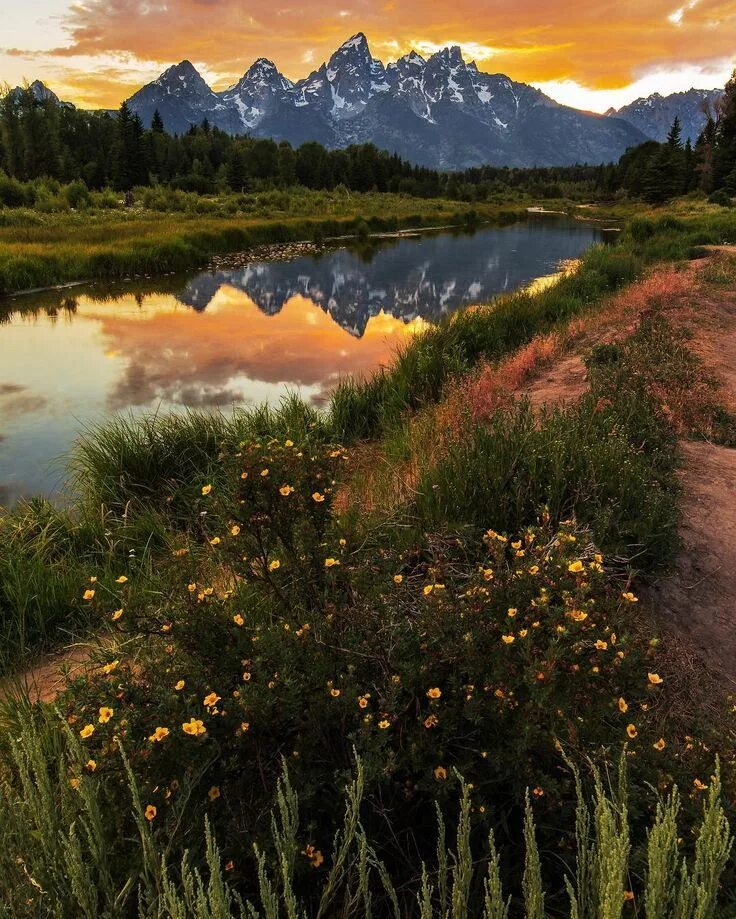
{"type": "Point", "coordinates": [240, 336]}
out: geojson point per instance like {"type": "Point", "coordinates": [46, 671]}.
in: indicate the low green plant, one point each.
{"type": "Point", "coordinates": [63, 854]}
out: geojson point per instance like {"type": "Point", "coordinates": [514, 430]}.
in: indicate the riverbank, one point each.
{"type": "Point", "coordinates": [41, 250]}
{"type": "Point", "coordinates": [435, 575]}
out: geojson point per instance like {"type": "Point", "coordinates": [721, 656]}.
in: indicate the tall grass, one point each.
{"type": "Point", "coordinates": [37, 251]}
{"type": "Point", "coordinates": [63, 855]}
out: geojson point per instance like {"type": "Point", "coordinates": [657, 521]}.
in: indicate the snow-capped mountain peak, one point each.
{"type": "Point", "coordinates": [183, 79]}
{"type": "Point", "coordinates": [439, 112]}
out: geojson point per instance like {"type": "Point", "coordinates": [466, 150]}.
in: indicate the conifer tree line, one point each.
{"type": "Point", "coordinates": [41, 139]}
{"type": "Point", "coordinates": [658, 172]}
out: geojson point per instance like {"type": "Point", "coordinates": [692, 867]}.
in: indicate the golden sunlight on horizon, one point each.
{"type": "Point", "coordinates": [233, 344]}
{"type": "Point", "coordinates": [97, 52]}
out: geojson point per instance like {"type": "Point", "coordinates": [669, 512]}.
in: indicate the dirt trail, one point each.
{"type": "Point", "coordinates": [700, 597]}
{"type": "Point", "coordinates": [50, 676]}
{"type": "Point", "coordinates": [698, 601]}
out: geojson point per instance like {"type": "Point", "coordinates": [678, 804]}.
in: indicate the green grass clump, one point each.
{"type": "Point", "coordinates": [51, 869]}
{"type": "Point", "coordinates": [609, 460]}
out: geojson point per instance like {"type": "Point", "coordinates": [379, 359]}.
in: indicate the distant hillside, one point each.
{"type": "Point", "coordinates": [654, 114]}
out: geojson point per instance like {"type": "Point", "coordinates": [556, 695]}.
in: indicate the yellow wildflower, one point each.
{"type": "Point", "coordinates": [121, 580]}
{"type": "Point", "coordinates": [195, 727]}
{"type": "Point", "coordinates": [631, 731]}
{"type": "Point", "coordinates": [434, 693]}
{"type": "Point", "coordinates": [654, 679]}
{"type": "Point", "coordinates": [158, 735]}
{"type": "Point", "coordinates": [88, 595]}
{"type": "Point", "coordinates": [87, 731]}
{"type": "Point", "coordinates": [660, 744]}
{"type": "Point", "coordinates": [629, 597]}
{"type": "Point", "coordinates": [210, 700]}
{"type": "Point", "coordinates": [206, 489]}
{"type": "Point", "coordinates": [508, 639]}
{"type": "Point", "coordinates": [398, 578]}
{"type": "Point", "coordinates": [214, 793]}
{"type": "Point", "coordinates": [384, 724]}
{"type": "Point", "coordinates": [317, 497]}
{"type": "Point", "coordinates": [286, 490]}
{"type": "Point", "coordinates": [151, 812]}
{"type": "Point", "coordinates": [106, 714]}
{"type": "Point", "coordinates": [235, 530]}
{"type": "Point", "coordinates": [331, 562]}
{"type": "Point", "coordinates": [179, 685]}
{"type": "Point", "coordinates": [623, 705]}
{"type": "Point", "coordinates": [440, 773]}
{"type": "Point", "coordinates": [314, 855]}
{"type": "Point", "coordinates": [91, 765]}
{"type": "Point", "coordinates": [575, 567]}
{"type": "Point", "coordinates": [238, 619]}
{"type": "Point", "coordinates": [274, 565]}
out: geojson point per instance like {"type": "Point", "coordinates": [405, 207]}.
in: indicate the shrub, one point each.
{"type": "Point", "coordinates": [721, 198]}
{"type": "Point", "coordinates": [77, 194]}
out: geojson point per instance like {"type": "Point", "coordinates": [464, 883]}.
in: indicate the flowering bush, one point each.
{"type": "Point", "coordinates": [295, 635]}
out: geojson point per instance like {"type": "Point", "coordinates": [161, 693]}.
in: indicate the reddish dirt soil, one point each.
{"type": "Point", "coordinates": [50, 677]}
{"type": "Point", "coordinates": [699, 599]}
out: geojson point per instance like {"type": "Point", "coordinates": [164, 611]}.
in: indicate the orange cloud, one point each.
{"type": "Point", "coordinates": [235, 353]}
{"type": "Point", "coordinates": [599, 45]}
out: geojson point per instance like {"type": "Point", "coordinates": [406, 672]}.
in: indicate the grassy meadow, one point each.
{"type": "Point", "coordinates": [169, 230]}
{"type": "Point", "coordinates": [385, 659]}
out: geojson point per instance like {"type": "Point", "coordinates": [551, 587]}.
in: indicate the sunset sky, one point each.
{"type": "Point", "coordinates": [591, 55]}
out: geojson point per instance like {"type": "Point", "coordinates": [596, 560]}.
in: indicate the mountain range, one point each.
{"type": "Point", "coordinates": [440, 111]}
{"type": "Point", "coordinates": [654, 114]}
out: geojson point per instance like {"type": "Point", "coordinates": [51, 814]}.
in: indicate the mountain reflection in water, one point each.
{"type": "Point", "coordinates": [242, 335]}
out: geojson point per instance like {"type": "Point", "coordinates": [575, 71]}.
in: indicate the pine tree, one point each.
{"type": "Point", "coordinates": [157, 123]}
{"type": "Point", "coordinates": [674, 137]}
{"type": "Point", "coordinates": [724, 151]}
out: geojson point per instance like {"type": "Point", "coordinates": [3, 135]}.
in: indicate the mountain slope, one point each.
{"type": "Point", "coordinates": [653, 115]}
{"type": "Point", "coordinates": [440, 112]}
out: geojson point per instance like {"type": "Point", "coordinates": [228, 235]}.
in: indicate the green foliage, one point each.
{"type": "Point", "coordinates": [63, 855]}
{"type": "Point", "coordinates": [608, 459]}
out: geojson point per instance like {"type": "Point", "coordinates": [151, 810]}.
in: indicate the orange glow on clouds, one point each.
{"type": "Point", "coordinates": [95, 51]}
{"type": "Point", "coordinates": [222, 352]}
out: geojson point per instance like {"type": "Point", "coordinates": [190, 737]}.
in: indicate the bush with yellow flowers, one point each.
{"type": "Point", "coordinates": [290, 636]}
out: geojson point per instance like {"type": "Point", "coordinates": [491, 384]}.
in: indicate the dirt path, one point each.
{"type": "Point", "coordinates": [50, 676]}
{"type": "Point", "coordinates": [698, 601]}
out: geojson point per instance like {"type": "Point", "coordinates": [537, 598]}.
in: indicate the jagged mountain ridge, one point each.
{"type": "Point", "coordinates": [653, 115]}
{"type": "Point", "coordinates": [440, 112]}
{"type": "Point", "coordinates": [41, 93]}
{"type": "Point", "coordinates": [428, 278]}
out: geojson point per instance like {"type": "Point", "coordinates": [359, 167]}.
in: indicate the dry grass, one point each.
{"type": "Point", "coordinates": [386, 473]}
